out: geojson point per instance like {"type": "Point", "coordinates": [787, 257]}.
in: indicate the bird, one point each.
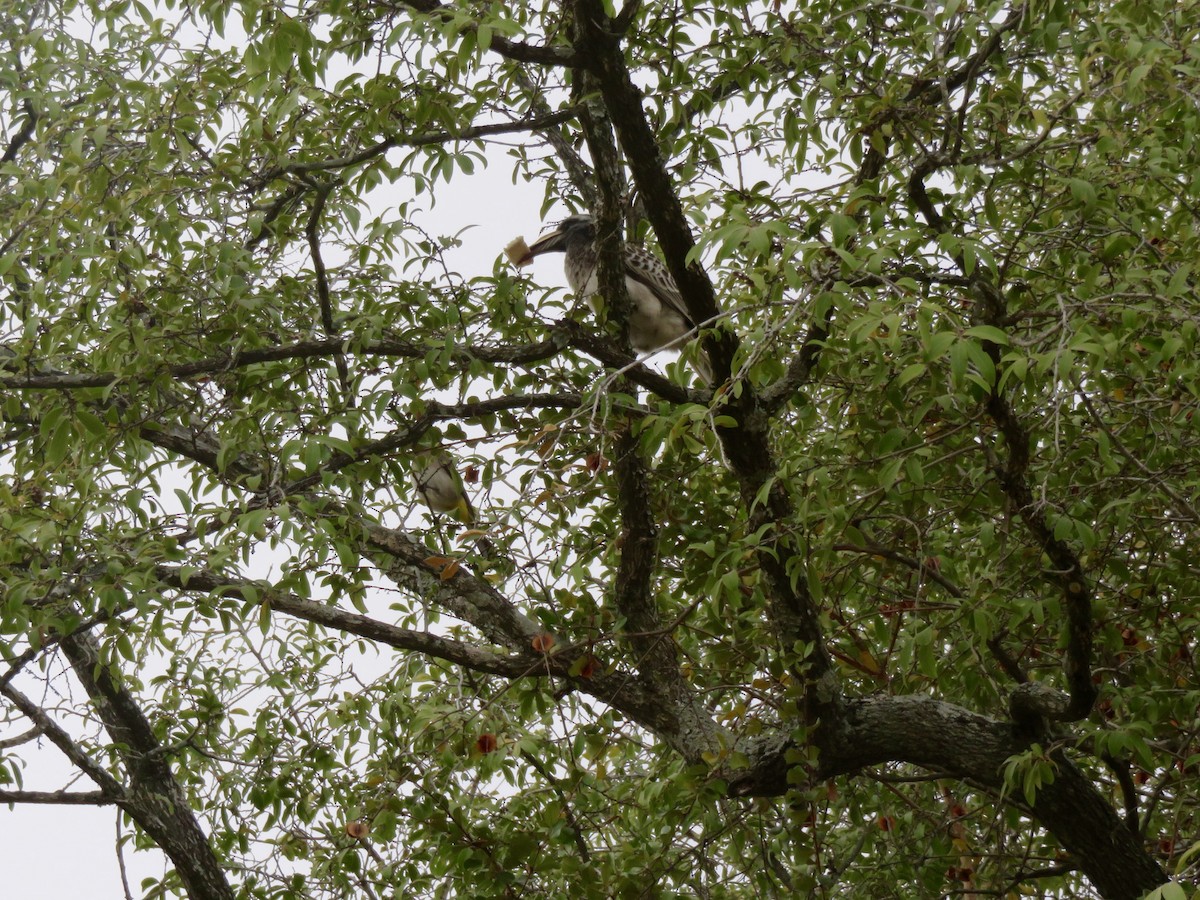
{"type": "Point", "coordinates": [659, 318]}
{"type": "Point", "coordinates": [441, 487]}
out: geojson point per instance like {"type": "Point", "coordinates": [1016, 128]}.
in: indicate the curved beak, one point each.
{"type": "Point", "coordinates": [549, 242]}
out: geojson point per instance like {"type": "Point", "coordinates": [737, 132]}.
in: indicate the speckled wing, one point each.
{"type": "Point", "coordinates": [645, 268]}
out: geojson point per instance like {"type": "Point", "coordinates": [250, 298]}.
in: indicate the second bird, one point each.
{"type": "Point", "coordinates": [441, 486]}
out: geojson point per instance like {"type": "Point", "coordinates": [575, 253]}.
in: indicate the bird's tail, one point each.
{"type": "Point", "coordinates": [465, 512]}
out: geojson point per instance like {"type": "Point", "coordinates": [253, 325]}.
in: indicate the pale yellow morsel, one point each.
{"type": "Point", "coordinates": [517, 252]}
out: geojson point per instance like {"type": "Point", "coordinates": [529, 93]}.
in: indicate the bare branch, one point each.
{"type": "Point", "coordinates": [64, 742]}
{"type": "Point", "coordinates": [1158, 480]}
{"type": "Point", "coordinates": [59, 798]}
{"type": "Point", "coordinates": [582, 177]}
{"type": "Point", "coordinates": [568, 813]}
{"type": "Point", "coordinates": [545, 121]}
{"type": "Point", "coordinates": [312, 230]}
{"type": "Point", "coordinates": [926, 570]}
{"type": "Point", "coordinates": [22, 738]}
{"type": "Point", "coordinates": [1066, 567]}
{"type": "Point", "coordinates": [22, 137]}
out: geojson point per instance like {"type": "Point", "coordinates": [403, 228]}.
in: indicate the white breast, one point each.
{"type": "Point", "coordinates": [652, 325]}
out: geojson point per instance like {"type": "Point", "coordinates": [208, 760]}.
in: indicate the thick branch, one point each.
{"type": "Point", "coordinates": [800, 369]}
{"type": "Point", "coordinates": [22, 738]}
{"type": "Point", "coordinates": [201, 447]}
{"type": "Point", "coordinates": [155, 800]}
{"type": "Point", "coordinates": [599, 46]}
{"type": "Point", "coordinates": [565, 333]}
{"type": "Point", "coordinates": [633, 590]}
{"type": "Point", "coordinates": [951, 740]}
{"type": "Point", "coordinates": [606, 352]}
{"type": "Point", "coordinates": [410, 563]}
{"type": "Point", "coordinates": [22, 137]}
{"type": "Point", "coordinates": [423, 642]}
{"type": "Point", "coordinates": [645, 704]}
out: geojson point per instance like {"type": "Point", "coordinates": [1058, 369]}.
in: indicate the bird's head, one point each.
{"type": "Point", "coordinates": [580, 229]}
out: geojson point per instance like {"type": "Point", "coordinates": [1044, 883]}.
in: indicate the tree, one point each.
{"type": "Point", "coordinates": [902, 607]}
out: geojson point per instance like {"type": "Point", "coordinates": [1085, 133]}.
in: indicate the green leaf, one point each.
{"type": "Point", "coordinates": [988, 333]}
{"type": "Point", "coordinates": [1171, 891]}
{"type": "Point", "coordinates": [910, 373]}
